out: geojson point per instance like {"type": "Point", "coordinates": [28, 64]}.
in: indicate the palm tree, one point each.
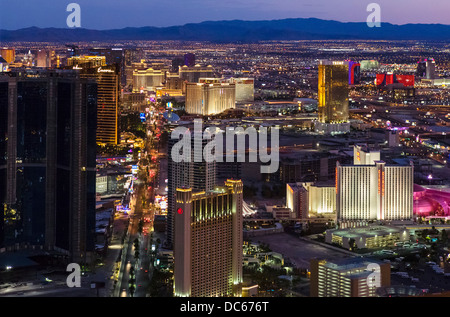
{"type": "Point", "coordinates": [444, 236]}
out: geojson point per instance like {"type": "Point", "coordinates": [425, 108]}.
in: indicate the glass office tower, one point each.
{"type": "Point", "coordinates": [47, 161]}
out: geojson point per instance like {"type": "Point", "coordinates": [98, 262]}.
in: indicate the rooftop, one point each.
{"type": "Point", "coordinates": [368, 232]}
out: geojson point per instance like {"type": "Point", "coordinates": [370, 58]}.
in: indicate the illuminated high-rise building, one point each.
{"type": "Point", "coordinates": [45, 58]}
{"type": "Point", "coordinates": [426, 68]}
{"type": "Point", "coordinates": [297, 200]}
{"type": "Point", "coordinates": [197, 173]}
{"type": "Point", "coordinates": [333, 97]}
{"type": "Point", "coordinates": [47, 162]}
{"type": "Point", "coordinates": [108, 81]}
{"type": "Point", "coordinates": [113, 55]}
{"type": "Point", "coordinates": [333, 92]}
{"type": "Point", "coordinates": [354, 72]}
{"type": "Point", "coordinates": [374, 191]}
{"type": "Point", "coordinates": [208, 99]}
{"type": "Point", "coordinates": [208, 242]}
{"type": "Point", "coordinates": [108, 78]}
{"type": "Point", "coordinates": [431, 68]}
{"type": "Point", "coordinates": [8, 54]}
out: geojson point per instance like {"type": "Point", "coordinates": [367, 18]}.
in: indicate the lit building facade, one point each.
{"type": "Point", "coordinates": [297, 200]}
{"type": "Point", "coordinates": [8, 54]}
{"type": "Point", "coordinates": [209, 99]}
{"type": "Point", "coordinates": [208, 249]}
{"type": "Point", "coordinates": [347, 278]}
{"type": "Point", "coordinates": [193, 74]}
{"type": "Point", "coordinates": [45, 58]}
{"type": "Point", "coordinates": [148, 79]}
{"type": "Point", "coordinates": [108, 83]}
{"type": "Point", "coordinates": [322, 199]}
{"type": "Point", "coordinates": [245, 89]}
{"type": "Point", "coordinates": [197, 173]}
{"type": "Point", "coordinates": [391, 79]}
{"type": "Point", "coordinates": [354, 72]}
{"type": "Point", "coordinates": [86, 61]}
{"type": "Point", "coordinates": [374, 192]}
{"type": "Point", "coordinates": [426, 68]}
{"type": "Point", "coordinates": [310, 199]}
{"type": "Point", "coordinates": [362, 155]}
{"type": "Point", "coordinates": [369, 237]}
{"type": "Point", "coordinates": [333, 92]}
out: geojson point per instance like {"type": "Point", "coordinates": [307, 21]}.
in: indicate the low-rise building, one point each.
{"type": "Point", "coordinates": [352, 277]}
{"type": "Point", "coordinates": [367, 237]}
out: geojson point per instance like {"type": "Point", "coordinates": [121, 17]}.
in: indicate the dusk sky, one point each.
{"type": "Point", "coordinates": [97, 14]}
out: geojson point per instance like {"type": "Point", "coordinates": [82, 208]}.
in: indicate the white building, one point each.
{"type": "Point", "coordinates": [148, 79]}
{"type": "Point", "coordinates": [351, 277]}
{"type": "Point", "coordinates": [322, 199]}
{"type": "Point", "coordinates": [245, 88]}
{"type": "Point", "coordinates": [209, 98]}
{"type": "Point", "coordinates": [374, 192]}
{"type": "Point", "coordinates": [362, 155]}
{"type": "Point", "coordinates": [310, 199]}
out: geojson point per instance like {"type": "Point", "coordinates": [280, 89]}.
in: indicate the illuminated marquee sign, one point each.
{"type": "Point", "coordinates": [100, 70]}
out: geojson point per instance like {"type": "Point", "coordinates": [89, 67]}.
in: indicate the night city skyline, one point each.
{"type": "Point", "coordinates": [221, 156]}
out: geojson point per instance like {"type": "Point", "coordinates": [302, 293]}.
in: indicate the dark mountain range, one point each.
{"type": "Point", "coordinates": [239, 31]}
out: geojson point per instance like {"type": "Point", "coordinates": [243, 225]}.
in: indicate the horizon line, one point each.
{"type": "Point", "coordinates": [215, 21]}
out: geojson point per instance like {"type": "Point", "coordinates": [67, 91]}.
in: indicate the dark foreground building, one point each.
{"type": "Point", "coordinates": [47, 162]}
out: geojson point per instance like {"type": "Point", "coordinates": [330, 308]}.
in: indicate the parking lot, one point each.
{"type": "Point", "coordinates": [298, 251]}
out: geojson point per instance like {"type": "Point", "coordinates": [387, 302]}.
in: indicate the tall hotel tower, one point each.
{"type": "Point", "coordinates": [198, 174]}
{"type": "Point", "coordinates": [207, 99]}
{"type": "Point", "coordinates": [208, 242]}
{"type": "Point", "coordinates": [373, 190]}
{"type": "Point", "coordinates": [47, 161]}
{"type": "Point", "coordinates": [333, 97]}
{"type": "Point", "coordinates": [108, 80]}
